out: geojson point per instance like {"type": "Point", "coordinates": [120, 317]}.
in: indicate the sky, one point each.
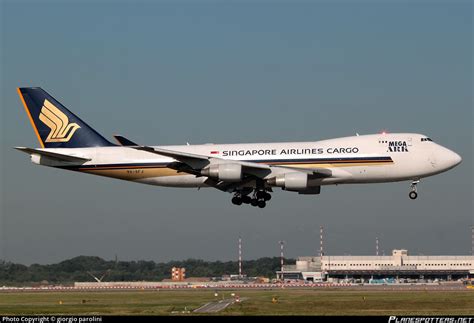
{"type": "Point", "coordinates": [171, 72]}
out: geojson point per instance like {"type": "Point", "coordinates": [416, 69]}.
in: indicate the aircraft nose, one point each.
{"type": "Point", "coordinates": [445, 159]}
{"type": "Point", "coordinates": [455, 158]}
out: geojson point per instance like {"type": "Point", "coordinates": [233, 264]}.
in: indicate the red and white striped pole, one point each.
{"type": "Point", "coordinates": [321, 250]}
{"type": "Point", "coordinates": [472, 240]}
{"type": "Point", "coordinates": [282, 243]}
{"type": "Point", "coordinates": [240, 257]}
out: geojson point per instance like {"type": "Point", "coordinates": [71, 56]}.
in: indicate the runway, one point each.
{"type": "Point", "coordinates": [215, 307]}
{"type": "Point", "coordinates": [118, 286]}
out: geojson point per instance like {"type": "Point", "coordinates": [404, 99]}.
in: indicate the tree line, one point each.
{"type": "Point", "coordinates": [83, 268]}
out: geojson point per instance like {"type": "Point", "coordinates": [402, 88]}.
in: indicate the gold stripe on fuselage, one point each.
{"type": "Point", "coordinates": [132, 173]}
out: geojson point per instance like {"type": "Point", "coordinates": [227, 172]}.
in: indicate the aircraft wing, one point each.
{"type": "Point", "coordinates": [195, 162]}
{"type": "Point", "coordinates": [315, 172]}
{"type": "Point", "coordinates": [200, 161]}
{"type": "Point", "coordinates": [226, 186]}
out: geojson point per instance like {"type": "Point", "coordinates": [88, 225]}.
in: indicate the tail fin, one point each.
{"type": "Point", "coordinates": [54, 125]}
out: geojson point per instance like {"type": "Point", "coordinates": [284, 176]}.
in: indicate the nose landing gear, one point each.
{"type": "Point", "coordinates": [413, 193]}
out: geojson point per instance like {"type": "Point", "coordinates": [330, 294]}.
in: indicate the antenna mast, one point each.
{"type": "Point", "coordinates": [282, 257]}
{"type": "Point", "coordinates": [240, 257]}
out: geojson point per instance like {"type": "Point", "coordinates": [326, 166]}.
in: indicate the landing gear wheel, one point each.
{"type": "Point", "coordinates": [254, 202]}
{"type": "Point", "coordinates": [237, 200]}
{"type": "Point", "coordinates": [413, 194]}
{"type": "Point", "coordinates": [260, 195]}
{"type": "Point", "coordinates": [246, 199]}
{"type": "Point", "coordinates": [261, 204]}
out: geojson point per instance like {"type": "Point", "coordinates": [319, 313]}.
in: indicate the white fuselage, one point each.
{"type": "Point", "coordinates": [358, 159]}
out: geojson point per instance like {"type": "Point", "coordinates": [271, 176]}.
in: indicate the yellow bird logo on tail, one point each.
{"type": "Point", "coordinates": [58, 122]}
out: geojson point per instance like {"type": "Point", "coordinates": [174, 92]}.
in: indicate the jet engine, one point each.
{"type": "Point", "coordinates": [224, 172]}
{"type": "Point", "coordinates": [290, 181]}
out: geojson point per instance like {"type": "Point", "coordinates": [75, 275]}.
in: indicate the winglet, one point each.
{"type": "Point", "coordinates": [124, 141]}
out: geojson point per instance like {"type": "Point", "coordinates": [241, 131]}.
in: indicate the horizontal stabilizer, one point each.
{"type": "Point", "coordinates": [49, 154]}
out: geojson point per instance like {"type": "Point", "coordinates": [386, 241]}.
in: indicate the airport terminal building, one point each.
{"type": "Point", "coordinates": [398, 266]}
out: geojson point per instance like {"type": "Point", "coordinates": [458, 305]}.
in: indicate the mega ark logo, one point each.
{"type": "Point", "coordinates": [397, 146]}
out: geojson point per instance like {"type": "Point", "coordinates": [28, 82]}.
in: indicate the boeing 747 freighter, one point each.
{"type": "Point", "coordinates": [249, 171]}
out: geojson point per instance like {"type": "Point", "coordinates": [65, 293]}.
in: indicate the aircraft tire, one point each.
{"type": "Point", "coordinates": [261, 195]}
{"type": "Point", "coordinates": [236, 200]}
{"type": "Point", "coordinates": [413, 195]}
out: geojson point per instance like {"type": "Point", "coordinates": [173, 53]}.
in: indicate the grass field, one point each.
{"type": "Point", "coordinates": [259, 302]}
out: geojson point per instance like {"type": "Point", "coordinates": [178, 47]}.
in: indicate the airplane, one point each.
{"type": "Point", "coordinates": [249, 171]}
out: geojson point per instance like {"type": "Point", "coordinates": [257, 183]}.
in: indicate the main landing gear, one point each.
{"type": "Point", "coordinates": [413, 194]}
{"type": "Point", "coordinates": [259, 198]}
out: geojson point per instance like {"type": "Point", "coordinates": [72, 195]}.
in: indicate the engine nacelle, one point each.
{"type": "Point", "coordinates": [224, 172]}
{"type": "Point", "coordinates": [290, 181]}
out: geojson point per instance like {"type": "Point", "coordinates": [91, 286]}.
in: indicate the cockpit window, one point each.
{"type": "Point", "coordinates": [426, 139]}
